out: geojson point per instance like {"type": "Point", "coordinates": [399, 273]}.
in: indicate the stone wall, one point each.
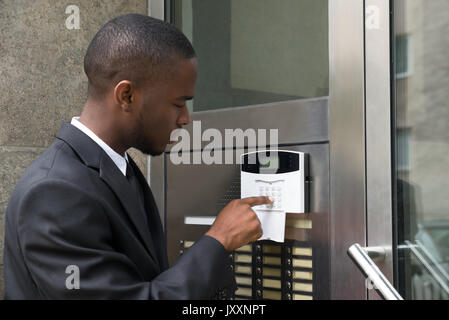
{"type": "Point", "coordinates": [42, 79]}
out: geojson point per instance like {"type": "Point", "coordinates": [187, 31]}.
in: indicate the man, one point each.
{"type": "Point", "coordinates": [83, 209]}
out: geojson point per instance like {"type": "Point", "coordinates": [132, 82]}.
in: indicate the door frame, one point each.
{"type": "Point", "coordinates": [379, 135]}
{"type": "Point", "coordinates": [360, 53]}
{"type": "Point", "coordinates": [347, 145]}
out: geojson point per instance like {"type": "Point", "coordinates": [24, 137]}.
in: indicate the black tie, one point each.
{"type": "Point", "coordinates": [137, 188]}
{"type": "Point", "coordinates": [150, 216]}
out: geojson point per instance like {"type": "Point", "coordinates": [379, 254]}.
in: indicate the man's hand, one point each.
{"type": "Point", "coordinates": [237, 224]}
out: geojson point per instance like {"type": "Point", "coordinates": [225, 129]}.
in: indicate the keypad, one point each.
{"type": "Point", "coordinates": [273, 190]}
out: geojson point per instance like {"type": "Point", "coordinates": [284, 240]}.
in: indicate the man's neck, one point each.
{"type": "Point", "coordinates": [102, 126]}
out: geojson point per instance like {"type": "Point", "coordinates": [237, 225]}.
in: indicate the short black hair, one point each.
{"type": "Point", "coordinates": [133, 47]}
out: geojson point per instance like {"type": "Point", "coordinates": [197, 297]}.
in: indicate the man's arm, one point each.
{"type": "Point", "coordinates": [60, 225]}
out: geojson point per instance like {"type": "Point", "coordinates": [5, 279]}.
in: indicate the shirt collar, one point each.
{"type": "Point", "coordinates": [119, 160]}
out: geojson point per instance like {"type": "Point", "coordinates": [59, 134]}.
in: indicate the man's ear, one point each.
{"type": "Point", "coordinates": [124, 93]}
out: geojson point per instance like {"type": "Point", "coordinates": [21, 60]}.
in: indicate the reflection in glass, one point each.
{"type": "Point", "coordinates": [256, 51]}
{"type": "Point", "coordinates": [422, 147]}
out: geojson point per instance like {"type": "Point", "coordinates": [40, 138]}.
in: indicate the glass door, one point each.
{"type": "Point", "coordinates": [421, 134]}
{"type": "Point", "coordinates": [406, 127]}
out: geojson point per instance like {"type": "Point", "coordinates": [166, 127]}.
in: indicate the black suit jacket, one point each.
{"type": "Point", "coordinates": [73, 207]}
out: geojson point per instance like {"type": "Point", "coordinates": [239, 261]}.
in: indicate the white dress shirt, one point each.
{"type": "Point", "coordinates": [119, 160]}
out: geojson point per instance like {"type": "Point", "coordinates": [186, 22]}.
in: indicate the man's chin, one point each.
{"type": "Point", "coordinates": [152, 152]}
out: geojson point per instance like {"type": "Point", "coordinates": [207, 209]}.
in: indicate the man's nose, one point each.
{"type": "Point", "coordinates": [184, 117]}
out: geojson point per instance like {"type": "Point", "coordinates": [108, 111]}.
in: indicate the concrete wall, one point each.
{"type": "Point", "coordinates": [42, 80]}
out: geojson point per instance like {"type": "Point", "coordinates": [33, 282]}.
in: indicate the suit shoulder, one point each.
{"type": "Point", "coordinates": [57, 163]}
{"type": "Point", "coordinates": [42, 165]}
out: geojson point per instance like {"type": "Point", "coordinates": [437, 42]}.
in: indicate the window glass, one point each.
{"type": "Point", "coordinates": [422, 147]}
{"type": "Point", "coordinates": [256, 51]}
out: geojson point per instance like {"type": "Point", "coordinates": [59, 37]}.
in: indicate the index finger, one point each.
{"type": "Point", "coordinates": [257, 201]}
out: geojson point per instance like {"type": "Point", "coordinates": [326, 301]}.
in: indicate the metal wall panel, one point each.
{"type": "Point", "coordinates": [334, 126]}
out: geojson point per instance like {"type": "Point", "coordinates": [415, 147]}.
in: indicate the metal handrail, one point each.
{"type": "Point", "coordinates": [363, 261]}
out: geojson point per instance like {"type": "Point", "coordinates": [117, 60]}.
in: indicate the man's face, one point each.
{"type": "Point", "coordinates": [163, 108]}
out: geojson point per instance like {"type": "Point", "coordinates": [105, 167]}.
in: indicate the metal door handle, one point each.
{"type": "Point", "coordinates": [362, 257]}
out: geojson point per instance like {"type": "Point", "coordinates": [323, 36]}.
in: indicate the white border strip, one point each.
{"type": "Point", "coordinates": [199, 220]}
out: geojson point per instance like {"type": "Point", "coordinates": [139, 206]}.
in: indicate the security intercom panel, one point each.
{"type": "Point", "coordinates": [280, 174]}
{"type": "Point", "coordinates": [296, 267]}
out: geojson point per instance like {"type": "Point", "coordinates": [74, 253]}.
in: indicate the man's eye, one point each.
{"type": "Point", "coordinates": [179, 105]}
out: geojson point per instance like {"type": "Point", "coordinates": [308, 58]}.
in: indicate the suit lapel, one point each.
{"type": "Point", "coordinates": [95, 157]}
{"type": "Point", "coordinates": [130, 201]}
